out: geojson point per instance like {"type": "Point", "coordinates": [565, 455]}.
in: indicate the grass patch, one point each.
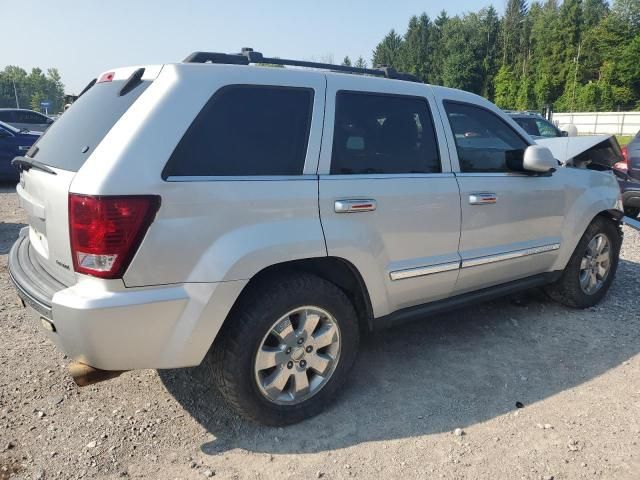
{"type": "Point", "coordinates": [624, 139]}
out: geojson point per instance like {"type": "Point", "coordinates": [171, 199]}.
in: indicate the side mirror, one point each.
{"type": "Point", "coordinates": [564, 133]}
{"type": "Point", "coordinates": [539, 159]}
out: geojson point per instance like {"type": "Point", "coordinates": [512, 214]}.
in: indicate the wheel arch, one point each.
{"type": "Point", "coordinates": [336, 270]}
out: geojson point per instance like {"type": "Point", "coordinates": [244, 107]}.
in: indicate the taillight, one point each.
{"type": "Point", "coordinates": [624, 164]}
{"type": "Point", "coordinates": [106, 231]}
{"type": "Point", "coordinates": [106, 77]}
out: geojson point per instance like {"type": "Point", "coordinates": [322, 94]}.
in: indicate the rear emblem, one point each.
{"type": "Point", "coordinates": [63, 265]}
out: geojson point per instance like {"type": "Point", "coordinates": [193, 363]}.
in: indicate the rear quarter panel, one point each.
{"type": "Point", "coordinates": [207, 229]}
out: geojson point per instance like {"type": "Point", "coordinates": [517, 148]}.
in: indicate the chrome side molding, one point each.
{"type": "Point", "coordinates": [500, 257]}
{"type": "Point", "coordinates": [422, 271]}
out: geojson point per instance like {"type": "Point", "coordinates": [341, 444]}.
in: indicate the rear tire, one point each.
{"type": "Point", "coordinates": [267, 359]}
{"type": "Point", "coordinates": [592, 267]}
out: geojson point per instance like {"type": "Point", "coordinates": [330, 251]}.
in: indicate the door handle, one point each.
{"type": "Point", "coordinates": [482, 198]}
{"type": "Point", "coordinates": [352, 205]}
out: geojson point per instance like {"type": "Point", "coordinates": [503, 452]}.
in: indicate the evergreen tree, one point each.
{"type": "Point", "coordinates": [388, 51]}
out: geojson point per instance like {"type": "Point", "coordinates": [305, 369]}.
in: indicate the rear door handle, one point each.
{"type": "Point", "coordinates": [482, 198]}
{"type": "Point", "coordinates": [352, 205]}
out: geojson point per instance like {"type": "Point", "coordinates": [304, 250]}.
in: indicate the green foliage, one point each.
{"type": "Point", "coordinates": [31, 88]}
{"type": "Point", "coordinates": [572, 54]}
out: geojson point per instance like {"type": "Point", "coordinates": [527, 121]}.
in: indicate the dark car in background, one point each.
{"type": "Point", "coordinates": [536, 125]}
{"type": "Point", "coordinates": [628, 172]}
{"type": "Point", "coordinates": [13, 143]}
{"type": "Point", "coordinates": [22, 118]}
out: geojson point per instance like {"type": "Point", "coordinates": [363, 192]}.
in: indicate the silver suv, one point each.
{"type": "Point", "coordinates": [269, 217]}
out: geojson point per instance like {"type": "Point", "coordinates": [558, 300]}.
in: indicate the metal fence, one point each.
{"type": "Point", "coordinates": [589, 123]}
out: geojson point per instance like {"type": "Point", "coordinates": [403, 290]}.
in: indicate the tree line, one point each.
{"type": "Point", "coordinates": [31, 88]}
{"type": "Point", "coordinates": [578, 55]}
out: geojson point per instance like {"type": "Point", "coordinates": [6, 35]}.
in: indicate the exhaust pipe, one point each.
{"type": "Point", "coordinates": [84, 375]}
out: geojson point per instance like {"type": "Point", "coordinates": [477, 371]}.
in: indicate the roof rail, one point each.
{"type": "Point", "coordinates": [247, 56]}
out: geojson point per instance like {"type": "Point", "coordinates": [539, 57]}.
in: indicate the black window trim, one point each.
{"type": "Point", "coordinates": [374, 176]}
{"type": "Point", "coordinates": [459, 172]}
{"type": "Point", "coordinates": [210, 178]}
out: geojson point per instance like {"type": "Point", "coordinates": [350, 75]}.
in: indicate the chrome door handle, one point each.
{"type": "Point", "coordinates": [354, 205]}
{"type": "Point", "coordinates": [482, 198]}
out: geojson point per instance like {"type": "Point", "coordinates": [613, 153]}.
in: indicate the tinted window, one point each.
{"type": "Point", "coordinates": [547, 129]}
{"type": "Point", "coordinates": [377, 133]}
{"type": "Point", "coordinates": [485, 142]}
{"type": "Point", "coordinates": [30, 117]}
{"type": "Point", "coordinates": [246, 130]}
{"type": "Point", "coordinates": [538, 127]}
{"type": "Point", "coordinates": [6, 116]}
{"type": "Point", "coordinates": [85, 124]}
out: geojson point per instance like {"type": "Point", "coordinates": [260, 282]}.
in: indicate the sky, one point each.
{"type": "Point", "coordinates": [84, 38]}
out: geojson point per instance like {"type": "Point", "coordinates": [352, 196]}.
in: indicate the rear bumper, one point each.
{"type": "Point", "coordinates": [155, 327]}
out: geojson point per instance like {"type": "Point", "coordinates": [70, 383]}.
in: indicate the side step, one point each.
{"type": "Point", "coordinates": [632, 222]}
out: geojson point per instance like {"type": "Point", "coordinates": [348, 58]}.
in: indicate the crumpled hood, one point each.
{"type": "Point", "coordinates": [567, 148]}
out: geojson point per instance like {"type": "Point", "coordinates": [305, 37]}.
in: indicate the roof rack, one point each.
{"type": "Point", "coordinates": [247, 56]}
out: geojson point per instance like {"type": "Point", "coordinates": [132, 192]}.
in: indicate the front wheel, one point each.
{"type": "Point", "coordinates": [287, 349]}
{"type": "Point", "coordinates": [592, 267]}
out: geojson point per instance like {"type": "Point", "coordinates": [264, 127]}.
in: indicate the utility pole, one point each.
{"type": "Point", "coordinates": [15, 92]}
{"type": "Point", "coordinates": [575, 77]}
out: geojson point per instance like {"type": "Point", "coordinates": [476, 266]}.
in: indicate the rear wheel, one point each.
{"type": "Point", "coordinates": [287, 349]}
{"type": "Point", "coordinates": [592, 267]}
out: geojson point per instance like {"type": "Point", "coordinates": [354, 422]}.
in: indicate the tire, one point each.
{"type": "Point", "coordinates": [632, 212]}
{"type": "Point", "coordinates": [568, 290]}
{"type": "Point", "coordinates": [261, 317]}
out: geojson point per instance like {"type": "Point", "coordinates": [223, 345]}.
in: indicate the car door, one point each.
{"type": "Point", "coordinates": [389, 203]}
{"type": "Point", "coordinates": [511, 221]}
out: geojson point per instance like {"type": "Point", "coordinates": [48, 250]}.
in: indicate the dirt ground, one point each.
{"type": "Point", "coordinates": [576, 375]}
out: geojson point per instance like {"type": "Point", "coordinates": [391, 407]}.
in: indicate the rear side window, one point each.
{"type": "Point", "coordinates": [246, 130]}
{"type": "Point", "coordinates": [484, 141]}
{"type": "Point", "coordinates": [376, 133]}
{"type": "Point", "coordinates": [30, 117]}
{"type": "Point", "coordinates": [6, 116]}
{"type": "Point", "coordinates": [70, 140]}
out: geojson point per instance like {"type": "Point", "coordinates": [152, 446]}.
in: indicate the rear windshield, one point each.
{"type": "Point", "coordinates": [72, 138]}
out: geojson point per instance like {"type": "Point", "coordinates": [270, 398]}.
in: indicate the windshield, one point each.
{"type": "Point", "coordinates": [74, 136]}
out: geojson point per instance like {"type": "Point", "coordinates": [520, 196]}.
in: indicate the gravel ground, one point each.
{"type": "Point", "coordinates": [434, 399]}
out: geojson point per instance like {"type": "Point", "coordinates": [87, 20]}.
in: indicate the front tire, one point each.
{"type": "Point", "coordinates": [592, 267]}
{"type": "Point", "coordinates": [286, 349]}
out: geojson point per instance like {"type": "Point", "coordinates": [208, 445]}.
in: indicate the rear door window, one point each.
{"type": "Point", "coordinates": [71, 139]}
{"type": "Point", "coordinates": [246, 130]}
{"type": "Point", "coordinates": [378, 134]}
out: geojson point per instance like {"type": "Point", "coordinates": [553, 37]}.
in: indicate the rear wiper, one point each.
{"type": "Point", "coordinates": [25, 163]}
